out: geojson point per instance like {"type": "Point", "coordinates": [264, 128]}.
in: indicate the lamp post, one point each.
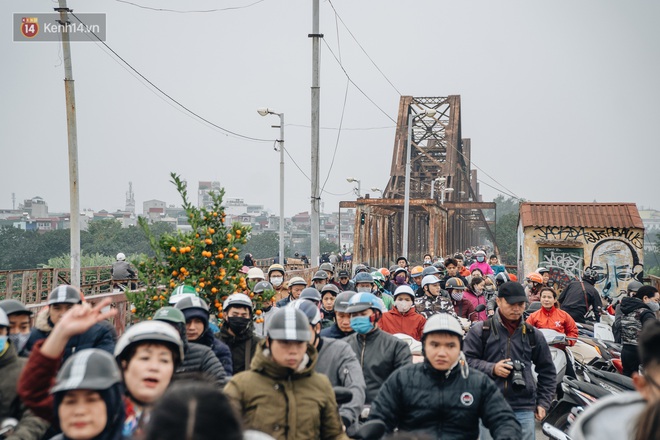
{"type": "Point", "coordinates": [354, 180]}
{"type": "Point", "coordinates": [442, 194]}
{"type": "Point", "coordinates": [378, 190]}
{"type": "Point", "coordinates": [406, 203]}
{"type": "Point", "coordinates": [263, 112]}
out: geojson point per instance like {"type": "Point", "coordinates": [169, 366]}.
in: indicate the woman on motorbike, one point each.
{"type": "Point", "coordinates": [475, 294]}
{"type": "Point", "coordinates": [550, 316]}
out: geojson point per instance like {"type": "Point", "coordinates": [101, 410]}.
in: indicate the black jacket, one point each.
{"type": "Point", "coordinates": [242, 346]}
{"type": "Point", "coordinates": [221, 350]}
{"type": "Point", "coordinates": [418, 398]}
{"type": "Point", "coordinates": [572, 300]}
{"type": "Point", "coordinates": [334, 332]}
{"type": "Point", "coordinates": [518, 346]}
{"type": "Point", "coordinates": [199, 358]}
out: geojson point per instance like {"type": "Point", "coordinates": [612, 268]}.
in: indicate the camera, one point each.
{"type": "Point", "coordinates": [517, 378]}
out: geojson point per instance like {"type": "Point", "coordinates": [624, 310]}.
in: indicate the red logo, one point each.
{"type": "Point", "coordinates": [30, 27]}
{"type": "Point", "coordinates": [467, 399]}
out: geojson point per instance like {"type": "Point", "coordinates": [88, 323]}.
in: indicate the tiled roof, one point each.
{"type": "Point", "coordinates": [588, 215]}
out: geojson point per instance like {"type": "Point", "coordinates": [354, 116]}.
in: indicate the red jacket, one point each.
{"type": "Point", "coordinates": [412, 323]}
{"type": "Point", "coordinates": [554, 319]}
{"type": "Point", "coordinates": [36, 381]}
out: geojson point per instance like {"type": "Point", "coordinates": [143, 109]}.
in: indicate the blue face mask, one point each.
{"type": "Point", "coordinates": [362, 324]}
{"type": "Point", "coordinates": [481, 259]}
{"type": "Point", "coordinates": [3, 343]}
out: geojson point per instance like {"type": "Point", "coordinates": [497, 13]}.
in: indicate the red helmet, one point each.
{"type": "Point", "coordinates": [385, 271]}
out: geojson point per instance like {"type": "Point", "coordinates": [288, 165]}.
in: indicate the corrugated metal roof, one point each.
{"type": "Point", "coordinates": [588, 215]}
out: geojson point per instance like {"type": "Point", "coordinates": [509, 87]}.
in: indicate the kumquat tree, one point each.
{"type": "Point", "coordinates": [205, 258]}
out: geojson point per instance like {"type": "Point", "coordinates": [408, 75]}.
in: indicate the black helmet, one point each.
{"type": "Point", "coordinates": [430, 270]}
{"type": "Point", "coordinates": [289, 324]}
{"type": "Point", "coordinates": [327, 267]}
{"type": "Point", "coordinates": [341, 302]}
{"type": "Point", "coordinates": [311, 294]}
{"type": "Point", "coordinates": [320, 275]}
{"type": "Point", "coordinates": [90, 369]}
{"type": "Point", "coordinates": [361, 268]}
{"type": "Point", "coordinates": [11, 307]}
{"type": "Point", "coordinates": [64, 294]}
{"type": "Point", "coordinates": [261, 287]}
{"type": "Point", "coordinates": [192, 302]}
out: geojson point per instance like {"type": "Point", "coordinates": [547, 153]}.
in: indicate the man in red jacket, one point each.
{"type": "Point", "coordinates": [403, 318]}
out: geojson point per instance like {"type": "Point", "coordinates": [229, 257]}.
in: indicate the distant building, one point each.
{"type": "Point", "coordinates": [35, 207]}
{"type": "Point", "coordinates": [204, 199]}
{"type": "Point", "coordinates": [130, 200]}
{"type": "Point", "coordinates": [153, 209]}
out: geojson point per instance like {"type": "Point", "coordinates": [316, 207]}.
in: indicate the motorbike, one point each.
{"type": "Point", "coordinates": [554, 433]}
{"type": "Point", "coordinates": [414, 345]}
{"type": "Point", "coordinates": [466, 323]}
{"type": "Point", "coordinates": [576, 396]}
{"type": "Point", "coordinates": [7, 427]}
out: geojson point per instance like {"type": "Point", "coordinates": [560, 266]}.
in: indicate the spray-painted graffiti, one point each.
{"type": "Point", "coordinates": [564, 265]}
{"type": "Point", "coordinates": [615, 263]}
{"type": "Point", "coordinates": [634, 236]}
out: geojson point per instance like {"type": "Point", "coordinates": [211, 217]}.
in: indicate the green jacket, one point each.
{"type": "Point", "coordinates": [287, 404]}
{"type": "Point", "coordinates": [29, 426]}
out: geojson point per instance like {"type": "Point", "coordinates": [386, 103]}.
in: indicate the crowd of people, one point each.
{"type": "Point", "coordinates": [66, 374]}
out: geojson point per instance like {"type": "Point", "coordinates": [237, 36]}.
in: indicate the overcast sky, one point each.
{"type": "Point", "coordinates": [560, 98]}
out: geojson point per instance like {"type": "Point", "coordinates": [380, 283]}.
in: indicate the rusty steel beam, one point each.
{"type": "Point", "coordinates": [469, 205]}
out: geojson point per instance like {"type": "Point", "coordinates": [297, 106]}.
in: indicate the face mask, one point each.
{"type": "Point", "coordinates": [19, 340]}
{"type": "Point", "coordinates": [3, 343]}
{"type": "Point", "coordinates": [276, 281]}
{"type": "Point", "coordinates": [481, 259]}
{"type": "Point", "coordinates": [362, 324]}
{"type": "Point", "coordinates": [364, 290]}
{"type": "Point", "coordinates": [457, 296]}
{"type": "Point", "coordinates": [654, 306]}
{"type": "Point", "coordinates": [238, 325]}
{"type": "Point", "coordinates": [402, 306]}
{"type": "Point", "coordinates": [318, 286]}
{"type": "Point", "coordinates": [400, 279]}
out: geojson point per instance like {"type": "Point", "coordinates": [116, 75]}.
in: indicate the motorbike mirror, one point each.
{"type": "Point", "coordinates": [371, 430]}
{"type": "Point", "coordinates": [343, 395]}
{"type": "Point", "coordinates": [7, 426]}
{"type": "Point", "coordinates": [554, 433]}
{"type": "Point", "coordinates": [480, 308]}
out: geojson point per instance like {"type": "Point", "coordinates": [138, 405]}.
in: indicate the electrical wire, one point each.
{"type": "Point", "coordinates": [341, 122]}
{"type": "Point", "coordinates": [343, 128]}
{"type": "Point", "coordinates": [307, 177]}
{"type": "Point", "coordinates": [363, 50]}
{"type": "Point", "coordinates": [188, 12]}
{"type": "Point", "coordinates": [166, 95]}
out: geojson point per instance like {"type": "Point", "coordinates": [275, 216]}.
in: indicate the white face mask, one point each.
{"type": "Point", "coordinates": [402, 305]}
{"type": "Point", "coordinates": [364, 290]}
{"type": "Point", "coordinates": [276, 281]}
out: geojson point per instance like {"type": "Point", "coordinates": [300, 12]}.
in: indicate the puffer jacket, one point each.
{"type": "Point", "coordinates": [411, 323]}
{"type": "Point", "coordinates": [221, 350]}
{"type": "Point", "coordinates": [338, 362]}
{"type": "Point", "coordinates": [554, 319]}
{"type": "Point", "coordinates": [500, 345]}
{"type": "Point", "coordinates": [30, 427]}
{"type": "Point", "coordinates": [334, 332]}
{"type": "Point", "coordinates": [101, 335]}
{"type": "Point", "coordinates": [379, 354]}
{"type": "Point", "coordinates": [242, 346]}
{"type": "Point", "coordinates": [477, 300]}
{"type": "Point", "coordinates": [199, 358]}
{"type": "Point", "coordinates": [634, 315]}
{"type": "Point", "coordinates": [285, 403]}
{"type": "Point", "coordinates": [444, 404]}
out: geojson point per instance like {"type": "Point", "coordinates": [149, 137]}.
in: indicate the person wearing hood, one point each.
{"type": "Point", "coordinates": [20, 326]}
{"type": "Point", "coordinates": [481, 264]}
{"type": "Point", "coordinates": [197, 358]}
{"type": "Point", "coordinates": [238, 330]}
{"type": "Point", "coordinates": [636, 312]}
{"type": "Point", "coordinates": [276, 279]}
{"type": "Point", "coordinates": [476, 295]}
{"type": "Point", "coordinates": [342, 326]}
{"type": "Point", "coordinates": [403, 318]}
{"type": "Point", "coordinates": [443, 397]}
{"type": "Point", "coordinates": [198, 330]}
{"type": "Point", "coordinates": [29, 427]}
{"type": "Point", "coordinates": [62, 298]}
{"type": "Point", "coordinates": [281, 395]}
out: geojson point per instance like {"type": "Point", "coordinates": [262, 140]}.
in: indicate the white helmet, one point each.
{"type": "Point", "coordinates": [255, 273]}
{"type": "Point", "coordinates": [149, 331]}
{"type": "Point", "coordinates": [4, 320]}
{"type": "Point", "coordinates": [405, 289]}
{"type": "Point", "coordinates": [430, 279]}
{"type": "Point", "coordinates": [237, 299]}
{"type": "Point", "coordinates": [121, 257]}
{"type": "Point", "coordinates": [443, 322]}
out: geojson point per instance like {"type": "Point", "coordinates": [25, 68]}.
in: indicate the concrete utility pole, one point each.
{"type": "Point", "coordinates": [72, 132]}
{"type": "Point", "coordinates": [316, 100]}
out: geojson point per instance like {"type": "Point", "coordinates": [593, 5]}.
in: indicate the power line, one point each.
{"type": "Point", "coordinates": [165, 94]}
{"type": "Point", "coordinates": [341, 121]}
{"type": "Point", "coordinates": [363, 50]}
{"type": "Point", "coordinates": [354, 84]}
{"type": "Point", "coordinates": [342, 128]}
{"type": "Point", "coordinates": [188, 12]}
{"type": "Point", "coordinates": [499, 189]}
{"type": "Point", "coordinates": [307, 177]}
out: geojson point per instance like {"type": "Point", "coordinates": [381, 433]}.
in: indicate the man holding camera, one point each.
{"type": "Point", "coordinates": [505, 347]}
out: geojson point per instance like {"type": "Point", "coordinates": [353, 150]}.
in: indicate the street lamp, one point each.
{"type": "Point", "coordinates": [430, 112]}
{"type": "Point", "coordinates": [354, 180]}
{"type": "Point", "coordinates": [377, 190]}
{"type": "Point", "coordinates": [440, 180]}
{"type": "Point", "coordinates": [442, 194]}
{"type": "Point", "coordinates": [263, 111]}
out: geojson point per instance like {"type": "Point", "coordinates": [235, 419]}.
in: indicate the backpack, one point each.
{"type": "Point", "coordinates": [489, 325]}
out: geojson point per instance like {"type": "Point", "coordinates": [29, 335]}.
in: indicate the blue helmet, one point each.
{"type": "Point", "coordinates": [363, 301]}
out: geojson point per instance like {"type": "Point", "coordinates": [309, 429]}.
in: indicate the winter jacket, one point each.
{"type": "Point", "coordinates": [634, 315]}
{"type": "Point", "coordinates": [220, 349]}
{"type": "Point", "coordinates": [554, 319]}
{"type": "Point", "coordinates": [350, 286]}
{"type": "Point", "coordinates": [444, 404]}
{"type": "Point", "coordinates": [500, 345]}
{"type": "Point", "coordinates": [610, 418]}
{"type": "Point", "coordinates": [101, 335]}
{"type": "Point", "coordinates": [334, 332]}
{"type": "Point", "coordinates": [283, 302]}
{"type": "Point", "coordinates": [30, 427]}
{"type": "Point", "coordinates": [464, 309]}
{"type": "Point", "coordinates": [200, 358]}
{"type": "Point", "coordinates": [285, 403]}
{"type": "Point", "coordinates": [410, 323]}
{"type": "Point", "coordinates": [483, 267]}
{"type": "Point", "coordinates": [260, 328]}
{"type": "Point", "coordinates": [573, 298]}
{"type": "Point", "coordinates": [428, 306]}
{"type": "Point", "coordinates": [121, 270]}
{"type": "Point", "coordinates": [242, 346]}
{"type": "Point", "coordinates": [379, 354]}
{"type": "Point", "coordinates": [476, 300]}
{"type": "Point", "coordinates": [338, 362]}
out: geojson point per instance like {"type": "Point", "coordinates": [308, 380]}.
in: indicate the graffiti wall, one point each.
{"type": "Point", "coordinates": [614, 254]}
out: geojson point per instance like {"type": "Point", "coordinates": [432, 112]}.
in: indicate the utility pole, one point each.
{"type": "Point", "coordinates": [72, 132]}
{"type": "Point", "coordinates": [316, 100]}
